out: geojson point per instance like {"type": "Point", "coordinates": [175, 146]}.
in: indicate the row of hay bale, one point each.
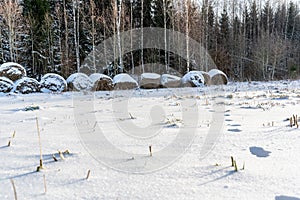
{"type": "Point", "coordinates": [13, 79]}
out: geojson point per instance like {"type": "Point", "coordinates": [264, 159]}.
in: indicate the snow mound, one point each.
{"type": "Point", "coordinates": [150, 81]}
{"type": "Point", "coordinates": [101, 82]}
{"type": "Point", "coordinates": [170, 81]}
{"type": "Point", "coordinates": [79, 82]}
{"type": "Point", "coordinates": [27, 85]}
{"type": "Point", "coordinates": [217, 77]}
{"type": "Point", "coordinates": [206, 78]}
{"type": "Point", "coordinates": [193, 79]}
{"type": "Point", "coordinates": [12, 71]}
{"type": "Point", "coordinates": [6, 85]}
{"type": "Point", "coordinates": [124, 82]}
{"type": "Point", "coordinates": [53, 83]}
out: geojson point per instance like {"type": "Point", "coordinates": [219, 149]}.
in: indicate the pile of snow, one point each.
{"type": "Point", "coordinates": [12, 71]}
{"type": "Point", "coordinates": [193, 79]}
{"type": "Point", "coordinates": [124, 82]}
{"type": "Point", "coordinates": [101, 82]}
{"type": "Point", "coordinates": [6, 85]}
{"type": "Point", "coordinates": [170, 81]}
{"type": "Point", "coordinates": [217, 77]}
{"type": "Point", "coordinates": [150, 81]}
{"type": "Point", "coordinates": [79, 82]}
{"type": "Point", "coordinates": [206, 77]}
{"type": "Point", "coordinates": [27, 85]}
{"type": "Point", "coordinates": [53, 83]}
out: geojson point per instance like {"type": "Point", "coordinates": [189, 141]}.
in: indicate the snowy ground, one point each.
{"type": "Point", "coordinates": [254, 131]}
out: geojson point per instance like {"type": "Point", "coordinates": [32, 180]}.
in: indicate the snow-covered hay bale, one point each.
{"type": "Point", "coordinates": [101, 82]}
{"type": "Point", "coordinates": [206, 78]}
{"type": "Point", "coordinates": [170, 81]}
{"type": "Point", "coordinates": [12, 71]}
{"type": "Point", "coordinates": [124, 82]}
{"type": "Point", "coordinates": [6, 85]}
{"type": "Point", "coordinates": [26, 86]}
{"type": "Point", "coordinates": [79, 82]}
{"type": "Point", "coordinates": [217, 77]}
{"type": "Point", "coordinates": [150, 81]}
{"type": "Point", "coordinates": [193, 79]}
{"type": "Point", "coordinates": [53, 83]}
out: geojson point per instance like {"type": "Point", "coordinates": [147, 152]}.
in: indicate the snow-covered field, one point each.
{"type": "Point", "coordinates": [252, 127]}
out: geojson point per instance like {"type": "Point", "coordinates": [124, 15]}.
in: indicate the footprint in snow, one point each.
{"type": "Point", "coordinates": [260, 152]}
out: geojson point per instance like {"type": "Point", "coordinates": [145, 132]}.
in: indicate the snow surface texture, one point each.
{"type": "Point", "coordinates": [124, 82]}
{"type": "Point", "coordinates": [258, 110]}
{"type": "Point", "coordinates": [12, 71]}
{"type": "Point", "coordinates": [79, 82]}
{"type": "Point", "coordinates": [193, 79]}
{"type": "Point", "coordinates": [170, 81]}
{"type": "Point", "coordinates": [6, 85]}
{"type": "Point", "coordinates": [27, 85]}
{"type": "Point", "coordinates": [150, 81]}
{"type": "Point", "coordinates": [53, 83]}
{"type": "Point", "coordinates": [101, 82]}
{"type": "Point", "coordinates": [217, 77]}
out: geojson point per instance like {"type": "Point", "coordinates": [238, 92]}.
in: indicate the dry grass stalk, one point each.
{"type": "Point", "coordinates": [40, 167]}
{"type": "Point", "coordinates": [14, 188]}
{"type": "Point", "coordinates": [10, 141]}
{"type": "Point", "coordinates": [235, 166]}
{"type": "Point", "coordinates": [61, 155]}
{"type": "Point", "coordinates": [232, 162]}
{"type": "Point", "coordinates": [88, 174]}
{"type": "Point", "coordinates": [150, 150]}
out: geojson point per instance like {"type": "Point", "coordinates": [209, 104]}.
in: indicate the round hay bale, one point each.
{"type": "Point", "coordinates": [217, 77]}
{"type": "Point", "coordinates": [170, 81]}
{"type": "Point", "coordinates": [6, 85]}
{"type": "Point", "coordinates": [124, 82]}
{"type": "Point", "coordinates": [12, 71]}
{"type": "Point", "coordinates": [79, 82]}
{"type": "Point", "coordinates": [193, 79]}
{"type": "Point", "coordinates": [206, 78]}
{"type": "Point", "coordinates": [150, 81]}
{"type": "Point", "coordinates": [53, 83]}
{"type": "Point", "coordinates": [101, 82]}
{"type": "Point", "coordinates": [26, 86]}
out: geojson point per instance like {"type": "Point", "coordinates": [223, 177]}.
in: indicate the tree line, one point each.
{"type": "Point", "coordinates": [248, 40]}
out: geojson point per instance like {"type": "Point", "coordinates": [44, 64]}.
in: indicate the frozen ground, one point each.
{"type": "Point", "coordinates": [254, 131]}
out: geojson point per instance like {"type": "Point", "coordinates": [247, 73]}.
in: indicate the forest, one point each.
{"type": "Point", "coordinates": [247, 39]}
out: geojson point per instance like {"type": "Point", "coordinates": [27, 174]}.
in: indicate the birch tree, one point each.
{"type": "Point", "coordinates": [75, 8]}
{"type": "Point", "coordinates": [187, 30]}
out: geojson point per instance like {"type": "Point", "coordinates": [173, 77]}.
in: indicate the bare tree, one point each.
{"type": "Point", "coordinates": [76, 13]}
{"type": "Point", "coordinates": [118, 22]}
{"type": "Point", "coordinates": [11, 12]}
{"type": "Point", "coordinates": [187, 30]}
